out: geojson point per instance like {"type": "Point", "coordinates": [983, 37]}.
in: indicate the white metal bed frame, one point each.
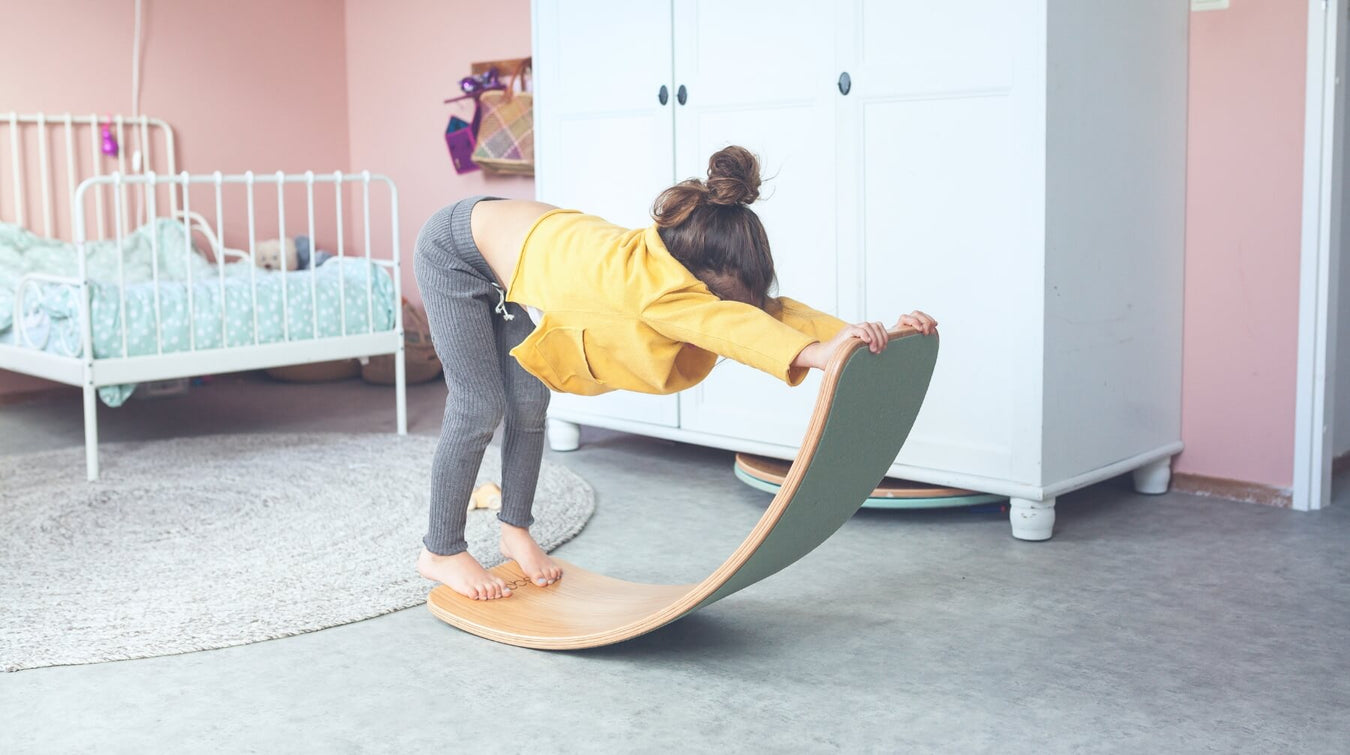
{"type": "Point", "coordinates": [90, 372]}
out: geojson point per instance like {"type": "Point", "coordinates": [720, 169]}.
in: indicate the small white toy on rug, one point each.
{"type": "Point", "coordinates": [486, 496]}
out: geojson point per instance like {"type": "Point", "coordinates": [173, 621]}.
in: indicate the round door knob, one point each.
{"type": "Point", "coordinates": [681, 95]}
{"type": "Point", "coordinates": [663, 96]}
{"type": "Point", "coordinates": [845, 83]}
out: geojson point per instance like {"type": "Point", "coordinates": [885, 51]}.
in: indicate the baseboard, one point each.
{"type": "Point", "coordinates": [1236, 490]}
{"type": "Point", "coordinates": [1340, 463]}
{"type": "Point", "coordinates": [38, 394]}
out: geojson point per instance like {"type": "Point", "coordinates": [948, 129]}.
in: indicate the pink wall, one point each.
{"type": "Point", "coordinates": [403, 59]}
{"type": "Point", "coordinates": [211, 69]}
{"type": "Point", "coordinates": [1243, 215]}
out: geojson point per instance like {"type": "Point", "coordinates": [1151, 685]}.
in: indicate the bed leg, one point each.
{"type": "Point", "coordinates": [401, 389]}
{"type": "Point", "coordinates": [91, 431]}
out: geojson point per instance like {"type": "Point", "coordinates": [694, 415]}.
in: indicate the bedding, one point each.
{"type": "Point", "coordinates": [51, 310]}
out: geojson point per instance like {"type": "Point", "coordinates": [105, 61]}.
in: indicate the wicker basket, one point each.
{"type": "Point", "coordinates": [419, 355]}
{"type": "Point", "coordinates": [316, 372]}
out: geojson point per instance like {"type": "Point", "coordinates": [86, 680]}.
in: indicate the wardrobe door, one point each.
{"type": "Point", "coordinates": [603, 137]}
{"type": "Point", "coordinates": [946, 200]}
{"type": "Point", "coordinates": [759, 74]}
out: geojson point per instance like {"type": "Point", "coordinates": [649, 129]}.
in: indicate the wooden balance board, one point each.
{"type": "Point", "coordinates": [764, 473]}
{"type": "Point", "coordinates": [864, 412]}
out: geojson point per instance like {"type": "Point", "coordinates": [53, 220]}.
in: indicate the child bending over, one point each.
{"type": "Point", "coordinates": [524, 297]}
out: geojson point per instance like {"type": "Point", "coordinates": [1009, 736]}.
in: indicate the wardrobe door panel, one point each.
{"type": "Point", "coordinates": [611, 55]}
{"type": "Point", "coordinates": [753, 52]}
{"type": "Point", "coordinates": [612, 167]}
{"type": "Point", "coordinates": [944, 139]}
{"type": "Point", "coordinates": [603, 139]}
{"type": "Point", "coordinates": [940, 234]}
{"type": "Point", "coordinates": [737, 400]}
{"type": "Point", "coordinates": [772, 92]}
{"type": "Point", "coordinates": [922, 46]}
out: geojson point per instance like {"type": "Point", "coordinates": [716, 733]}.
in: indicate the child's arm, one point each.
{"type": "Point", "coordinates": [785, 345]}
{"type": "Point", "coordinates": [804, 319]}
{"type": "Point", "coordinates": [872, 333]}
{"type": "Point", "coordinates": [729, 328]}
{"type": "Point", "coordinates": [830, 331]}
{"type": "Point", "coordinates": [827, 330]}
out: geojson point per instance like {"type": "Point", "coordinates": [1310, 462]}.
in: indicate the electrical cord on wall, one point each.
{"type": "Point", "coordinates": [136, 155]}
{"type": "Point", "coordinates": [136, 76]}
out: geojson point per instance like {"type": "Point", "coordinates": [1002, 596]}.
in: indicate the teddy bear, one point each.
{"type": "Point", "coordinates": [270, 254]}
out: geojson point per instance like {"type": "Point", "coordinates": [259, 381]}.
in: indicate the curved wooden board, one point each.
{"type": "Point", "coordinates": [866, 407]}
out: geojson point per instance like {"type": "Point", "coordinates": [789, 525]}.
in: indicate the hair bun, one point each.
{"type": "Point", "coordinates": [733, 176]}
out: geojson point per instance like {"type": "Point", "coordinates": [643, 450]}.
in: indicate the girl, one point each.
{"type": "Point", "coordinates": [523, 297]}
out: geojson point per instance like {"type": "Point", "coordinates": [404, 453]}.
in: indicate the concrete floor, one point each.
{"type": "Point", "coordinates": [1148, 624]}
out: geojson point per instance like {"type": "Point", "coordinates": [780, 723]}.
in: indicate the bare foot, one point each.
{"type": "Point", "coordinates": [519, 546]}
{"type": "Point", "coordinates": [462, 574]}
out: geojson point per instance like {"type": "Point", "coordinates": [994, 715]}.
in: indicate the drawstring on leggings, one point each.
{"type": "Point", "coordinates": [501, 304]}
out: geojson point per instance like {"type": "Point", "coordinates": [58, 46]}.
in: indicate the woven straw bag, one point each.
{"type": "Point", "coordinates": [506, 131]}
{"type": "Point", "coordinates": [419, 356]}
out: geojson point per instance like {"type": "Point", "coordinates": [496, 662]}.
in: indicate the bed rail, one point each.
{"type": "Point", "coordinates": [214, 233]}
{"type": "Point", "coordinates": [141, 144]}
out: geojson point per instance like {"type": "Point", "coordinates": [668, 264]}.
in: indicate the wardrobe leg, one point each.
{"type": "Point", "coordinates": [1153, 479]}
{"type": "Point", "coordinates": [1032, 520]}
{"type": "Point", "coordinates": [563, 436]}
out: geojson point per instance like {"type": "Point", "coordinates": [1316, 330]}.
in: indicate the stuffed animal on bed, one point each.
{"type": "Point", "coordinates": [302, 253]}
{"type": "Point", "coordinates": [269, 254]}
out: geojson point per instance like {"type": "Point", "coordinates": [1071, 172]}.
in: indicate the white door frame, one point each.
{"type": "Point", "coordinates": [1314, 411]}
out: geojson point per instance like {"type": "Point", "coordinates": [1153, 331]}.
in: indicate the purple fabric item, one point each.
{"type": "Point", "coordinates": [459, 140]}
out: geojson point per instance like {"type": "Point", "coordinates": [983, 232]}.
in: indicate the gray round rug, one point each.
{"type": "Point", "coordinates": [207, 542]}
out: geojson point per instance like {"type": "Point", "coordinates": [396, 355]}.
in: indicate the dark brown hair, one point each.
{"type": "Point", "coordinates": [710, 228]}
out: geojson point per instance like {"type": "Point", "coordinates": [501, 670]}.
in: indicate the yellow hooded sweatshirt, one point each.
{"type": "Point", "coordinates": [619, 312]}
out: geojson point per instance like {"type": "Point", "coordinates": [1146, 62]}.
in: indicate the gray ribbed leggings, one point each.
{"type": "Point", "coordinates": [472, 336]}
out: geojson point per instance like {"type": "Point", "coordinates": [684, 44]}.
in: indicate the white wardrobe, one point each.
{"type": "Point", "coordinates": [1016, 168]}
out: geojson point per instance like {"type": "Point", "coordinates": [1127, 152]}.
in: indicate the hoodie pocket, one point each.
{"type": "Point", "coordinates": [563, 349]}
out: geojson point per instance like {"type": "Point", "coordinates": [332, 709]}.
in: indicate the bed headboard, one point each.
{"type": "Point", "coordinates": [45, 156]}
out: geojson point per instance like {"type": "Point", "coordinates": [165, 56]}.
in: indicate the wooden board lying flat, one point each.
{"type": "Point", "coordinates": [775, 471]}
{"type": "Point", "coordinates": [866, 406]}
